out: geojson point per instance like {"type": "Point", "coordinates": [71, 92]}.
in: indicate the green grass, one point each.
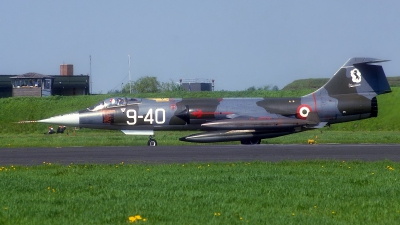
{"type": "Point", "coordinates": [302, 192]}
{"type": "Point", "coordinates": [305, 192]}
{"type": "Point", "coordinates": [167, 138]}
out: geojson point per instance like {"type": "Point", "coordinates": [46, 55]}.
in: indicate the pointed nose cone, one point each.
{"type": "Point", "coordinates": [71, 119]}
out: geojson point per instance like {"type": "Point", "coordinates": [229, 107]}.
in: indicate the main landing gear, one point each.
{"type": "Point", "coordinates": [152, 141]}
{"type": "Point", "coordinates": [251, 142]}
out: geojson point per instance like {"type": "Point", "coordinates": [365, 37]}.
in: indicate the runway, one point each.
{"type": "Point", "coordinates": [204, 153]}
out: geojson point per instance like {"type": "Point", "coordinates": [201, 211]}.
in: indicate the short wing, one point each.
{"type": "Point", "coordinates": [257, 124]}
{"type": "Point", "coordinates": [238, 129]}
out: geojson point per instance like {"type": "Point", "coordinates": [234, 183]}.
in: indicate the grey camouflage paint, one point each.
{"type": "Point", "coordinates": [349, 95]}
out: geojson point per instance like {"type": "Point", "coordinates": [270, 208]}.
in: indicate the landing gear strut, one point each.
{"type": "Point", "coordinates": [152, 141]}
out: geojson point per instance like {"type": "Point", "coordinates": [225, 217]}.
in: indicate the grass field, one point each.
{"type": "Point", "coordinates": [164, 138]}
{"type": "Point", "coordinates": [301, 192]}
{"type": "Point", "coordinates": [305, 192]}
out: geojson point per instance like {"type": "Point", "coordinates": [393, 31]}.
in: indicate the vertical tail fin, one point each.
{"type": "Point", "coordinates": [357, 76]}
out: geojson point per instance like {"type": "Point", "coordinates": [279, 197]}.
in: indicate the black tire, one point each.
{"type": "Point", "coordinates": [255, 141]}
{"type": "Point", "coordinates": [251, 142]}
{"type": "Point", "coordinates": [246, 142]}
{"type": "Point", "coordinates": [152, 142]}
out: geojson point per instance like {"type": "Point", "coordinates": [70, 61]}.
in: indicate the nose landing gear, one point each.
{"type": "Point", "coordinates": [152, 141]}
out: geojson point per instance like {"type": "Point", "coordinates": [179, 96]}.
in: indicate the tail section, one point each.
{"type": "Point", "coordinates": [351, 93]}
{"type": "Point", "coordinates": [357, 76]}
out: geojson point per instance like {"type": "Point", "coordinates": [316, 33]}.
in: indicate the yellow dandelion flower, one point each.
{"type": "Point", "coordinates": [293, 214]}
{"type": "Point", "coordinates": [138, 217]}
{"type": "Point", "coordinates": [48, 188]}
{"type": "Point", "coordinates": [53, 190]}
{"type": "Point", "coordinates": [144, 219]}
{"type": "Point", "coordinates": [132, 219]}
{"type": "Point", "coordinates": [333, 212]}
{"type": "Point", "coordinates": [241, 218]}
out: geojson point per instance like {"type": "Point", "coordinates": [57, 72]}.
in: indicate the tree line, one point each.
{"type": "Point", "coordinates": [148, 84]}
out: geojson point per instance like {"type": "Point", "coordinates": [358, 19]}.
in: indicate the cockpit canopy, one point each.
{"type": "Point", "coordinates": [114, 102]}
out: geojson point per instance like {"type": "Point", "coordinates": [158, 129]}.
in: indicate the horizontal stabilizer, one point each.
{"type": "Point", "coordinates": [317, 126]}
{"type": "Point", "coordinates": [361, 60]}
{"type": "Point", "coordinates": [313, 118]}
{"type": "Point", "coordinates": [314, 121]}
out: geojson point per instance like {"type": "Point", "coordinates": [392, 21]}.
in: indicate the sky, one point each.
{"type": "Point", "coordinates": [239, 44]}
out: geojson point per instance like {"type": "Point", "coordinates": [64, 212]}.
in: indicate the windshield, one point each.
{"type": "Point", "coordinates": [108, 103]}
{"type": "Point", "coordinates": [114, 102]}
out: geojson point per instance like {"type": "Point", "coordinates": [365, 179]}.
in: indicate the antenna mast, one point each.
{"type": "Point", "coordinates": [90, 74]}
{"type": "Point", "coordinates": [130, 83]}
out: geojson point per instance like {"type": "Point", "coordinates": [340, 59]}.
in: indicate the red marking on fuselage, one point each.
{"type": "Point", "coordinates": [199, 113]}
{"type": "Point", "coordinates": [315, 102]}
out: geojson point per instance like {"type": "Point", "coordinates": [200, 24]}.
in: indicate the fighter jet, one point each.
{"type": "Point", "coordinates": [349, 95]}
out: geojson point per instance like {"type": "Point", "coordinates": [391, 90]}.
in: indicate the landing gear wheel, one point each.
{"type": "Point", "coordinates": [251, 142]}
{"type": "Point", "coordinates": [152, 142]}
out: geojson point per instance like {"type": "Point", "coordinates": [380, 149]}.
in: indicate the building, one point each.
{"type": "Point", "coordinates": [5, 86]}
{"type": "Point", "coordinates": [34, 84]}
{"type": "Point", "coordinates": [31, 84]}
{"type": "Point", "coordinates": [197, 84]}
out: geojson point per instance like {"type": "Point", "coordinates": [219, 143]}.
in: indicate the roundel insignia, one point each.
{"type": "Point", "coordinates": [302, 111]}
